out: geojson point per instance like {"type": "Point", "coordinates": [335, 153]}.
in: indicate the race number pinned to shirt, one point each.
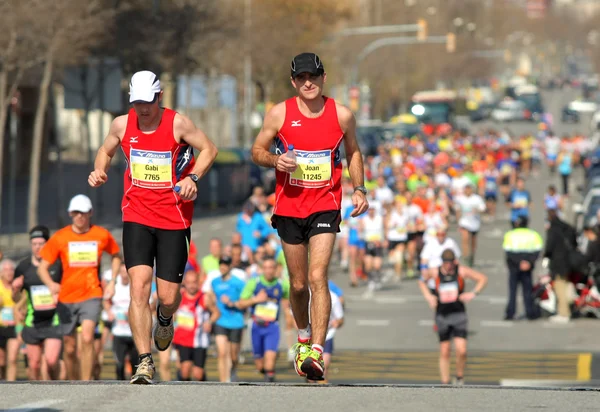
{"type": "Point", "coordinates": [267, 311]}
{"type": "Point", "coordinates": [314, 169]}
{"type": "Point", "coordinates": [83, 254]}
{"type": "Point", "coordinates": [7, 317]}
{"type": "Point", "coordinates": [41, 298]}
{"type": "Point", "coordinates": [448, 292]}
{"type": "Point", "coordinates": [151, 170]}
{"type": "Point", "coordinates": [121, 317]}
{"type": "Point", "coordinates": [185, 319]}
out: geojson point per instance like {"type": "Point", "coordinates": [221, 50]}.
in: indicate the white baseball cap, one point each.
{"type": "Point", "coordinates": [80, 203]}
{"type": "Point", "coordinates": [143, 87]}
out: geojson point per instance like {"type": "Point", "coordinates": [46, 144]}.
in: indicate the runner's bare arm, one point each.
{"type": "Point", "coordinates": [107, 151]}
{"type": "Point", "coordinates": [186, 131]}
{"type": "Point", "coordinates": [354, 157]}
{"type": "Point", "coordinates": [353, 154]}
{"type": "Point", "coordinates": [261, 154]}
{"type": "Point", "coordinates": [478, 277]}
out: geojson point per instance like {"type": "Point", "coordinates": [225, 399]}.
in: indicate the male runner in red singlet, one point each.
{"type": "Point", "coordinates": [158, 144]}
{"type": "Point", "coordinates": [309, 196]}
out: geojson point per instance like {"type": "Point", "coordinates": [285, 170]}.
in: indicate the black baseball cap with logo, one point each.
{"type": "Point", "coordinates": [225, 260]}
{"type": "Point", "coordinates": [39, 232]}
{"type": "Point", "coordinates": [307, 63]}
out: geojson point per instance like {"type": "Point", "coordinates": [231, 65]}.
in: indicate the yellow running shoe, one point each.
{"type": "Point", "coordinates": [309, 363]}
{"type": "Point", "coordinates": [301, 350]}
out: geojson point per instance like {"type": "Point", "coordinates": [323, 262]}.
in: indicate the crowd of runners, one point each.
{"type": "Point", "coordinates": [392, 211]}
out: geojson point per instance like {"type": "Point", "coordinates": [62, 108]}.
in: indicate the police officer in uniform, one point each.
{"type": "Point", "coordinates": [522, 246]}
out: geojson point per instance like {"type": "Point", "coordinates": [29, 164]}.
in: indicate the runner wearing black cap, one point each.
{"type": "Point", "coordinates": [448, 301]}
{"type": "Point", "coordinates": [306, 215]}
{"type": "Point", "coordinates": [42, 333]}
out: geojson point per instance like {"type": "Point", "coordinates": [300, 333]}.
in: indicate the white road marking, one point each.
{"type": "Point", "coordinates": [496, 324]}
{"type": "Point", "coordinates": [373, 322]}
{"type": "Point", "coordinates": [34, 406]}
{"type": "Point", "coordinates": [392, 300]}
{"type": "Point", "coordinates": [551, 325]}
{"type": "Point", "coordinates": [495, 233]}
{"type": "Point", "coordinates": [426, 322]}
{"type": "Point", "coordinates": [216, 226]}
{"type": "Point", "coordinates": [536, 383]}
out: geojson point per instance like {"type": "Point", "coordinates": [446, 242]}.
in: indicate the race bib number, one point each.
{"type": "Point", "coordinates": [520, 203]}
{"type": "Point", "coordinates": [151, 170]}
{"type": "Point", "coordinates": [448, 292]}
{"type": "Point", "coordinates": [266, 311]}
{"type": "Point", "coordinates": [314, 169]}
{"type": "Point", "coordinates": [7, 317]}
{"type": "Point", "coordinates": [185, 319]}
{"type": "Point", "coordinates": [506, 169]}
{"type": "Point", "coordinates": [373, 237]}
{"type": "Point", "coordinates": [490, 186]}
{"type": "Point", "coordinates": [83, 254]}
{"type": "Point", "coordinates": [401, 230]}
{"type": "Point", "coordinates": [41, 298]}
{"type": "Point", "coordinates": [121, 318]}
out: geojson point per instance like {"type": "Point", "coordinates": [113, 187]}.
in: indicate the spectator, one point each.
{"type": "Point", "coordinates": [561, 241]}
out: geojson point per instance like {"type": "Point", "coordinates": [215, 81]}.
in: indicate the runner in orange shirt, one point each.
{"type": "Point", "coordinates": [79, 246]}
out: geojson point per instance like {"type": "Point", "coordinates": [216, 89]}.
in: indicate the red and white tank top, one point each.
{"type": "Point", "coordinates": [155, 163]}
{"type": "Point", "coordinates": [315, 186]}
{"type": "Point", "coordinates": [189, 321]}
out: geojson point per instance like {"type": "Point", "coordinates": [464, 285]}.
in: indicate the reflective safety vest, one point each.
{"type": "Point", "coordinates": [522, 240]}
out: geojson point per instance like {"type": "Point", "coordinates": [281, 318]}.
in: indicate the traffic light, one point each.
{"type": "Point", "coordinates": [422, 31]}
{"type": "Point", "coordinates": [450, 42]}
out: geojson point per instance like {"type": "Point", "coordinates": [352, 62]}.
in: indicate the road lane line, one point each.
{"type": "Point", "coordinates": [373, 322]}
{"type": "Point", "coordinates": [426, 322]}
{"type": "Point", "coordinates": [496, 324]}
{"type": "Point", "coordinates": [584, 367]}
{"type": "Point", "coordinates": [34, 406]}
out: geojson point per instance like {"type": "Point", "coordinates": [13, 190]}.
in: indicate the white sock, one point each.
{"type": "Point", "coordinates": [305, 334]}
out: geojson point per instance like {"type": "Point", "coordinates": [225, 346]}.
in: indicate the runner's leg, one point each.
{"type": "Point", "coordinates": [296, 257]}
{"type": "Point", "coordinates": [445, 349]}
{"type": "Point", "coordinates": [140, 314]}
{"type": "Point", "coordinates": [460, 347]}
{"type": "Point", "coordinates": [34, 360]}
{"type": "Point", "coordinates": [52, 349]}
{"type": "Point", "coordinates": [321, 248]}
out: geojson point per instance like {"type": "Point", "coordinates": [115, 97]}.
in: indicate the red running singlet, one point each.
{"type": "Point", "coordinates": [155, 163]}
{"type": "Point", "coordinates": [189, 320]}
{"type": "Point", "coordinates": [315, 186]}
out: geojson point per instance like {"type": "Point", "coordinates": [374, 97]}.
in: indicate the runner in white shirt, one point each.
{"type": "Point", "coordinates": [468, 210]}
{"type": "Point", "coordinates": [459, 182]}
{"type": "Point", "coordinates": [372, 228]}
{"type": "Point", "coordinates": [117, 310]}
{"type": "Point", "coordinates": [433, 221]}
{"type": "Point", "coordinates": [383, 193]}
{"type": "Point", "coordinates": [431, 256]}
{"type": "Point", "coordinates": [552, 143]}
{"type": "Point", "coordinates": [415, 225]}
{"type": "Point", "coordinates": [396, 227]}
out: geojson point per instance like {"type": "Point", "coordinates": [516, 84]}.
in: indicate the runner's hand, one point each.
{"type": "Point", "coordinates": [285, 164]}
{"type": "Point", "coordinates": [466, 297]}
{"type": "Point", "coordinates": [432, 301]}
{"type": "Point", "coordinates": [55, 290]}
{"type": "Point", "coordinates": [261, 297]}
{"type": "Point", "coordinates": [360, 202]}
{"type": "Point", "coordinates": [207, 326]}
{"type": "Point", "coordinates": [97, 178]}
{"type": "Point", "coordinates": [17, 284]}
{"type": "Point", "coordinates": [187, 189]}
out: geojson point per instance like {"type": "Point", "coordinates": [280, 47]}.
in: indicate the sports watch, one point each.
{"type": "Point", "coordinates": [361, 189]}
{"type": "Point", "coordinates": [194, 177]}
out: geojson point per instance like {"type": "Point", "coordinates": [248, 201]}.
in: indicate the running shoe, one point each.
{"type": "Point", "coordinates": [312, 365]}
{"type": "Point", "coordinates": [163, 335]}
{"type": "Point", "coordinates": [144, 373]}
{"type": "Point", "coordinates": [301, 349]}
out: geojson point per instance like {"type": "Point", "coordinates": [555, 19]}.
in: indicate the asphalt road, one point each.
{"type": "Point", "coordinates": [283, 398]}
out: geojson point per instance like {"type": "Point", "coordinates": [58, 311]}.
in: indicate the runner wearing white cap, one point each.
{"type": "Point", "coordinates": [159, 189]}
{"type": "Point", "coordinates": [78, 296]}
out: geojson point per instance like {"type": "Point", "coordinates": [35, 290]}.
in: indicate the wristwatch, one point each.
{"type": "Point", "coordinates": [361, 189]}
{"type": "Point", "coordinates": [194, 177]}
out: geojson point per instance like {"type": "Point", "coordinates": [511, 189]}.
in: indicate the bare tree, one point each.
{"type": "Point", "coordinates": [65, 33]}
{"type": "Point", "coordinates": [15, 59]}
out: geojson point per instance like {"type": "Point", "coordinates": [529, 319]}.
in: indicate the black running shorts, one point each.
{"type": "Point", "coordinates": [295, 231]}
{"type": "Point", "coordinates": [142, 245]}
